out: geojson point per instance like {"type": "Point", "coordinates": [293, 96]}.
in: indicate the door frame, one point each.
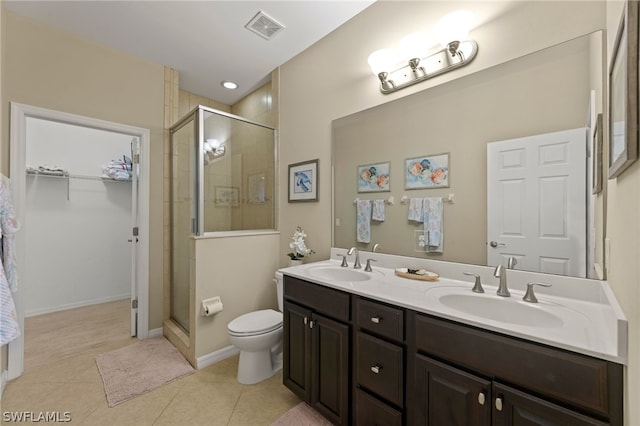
{"type": "Point", "coordinates": [17, 140]}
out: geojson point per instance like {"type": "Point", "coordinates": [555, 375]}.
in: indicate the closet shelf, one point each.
{"type": "Point", "coordinates": [84, 177]}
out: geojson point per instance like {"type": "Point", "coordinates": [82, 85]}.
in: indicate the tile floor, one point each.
{"type": "Point", "coordinates": [61, 375]}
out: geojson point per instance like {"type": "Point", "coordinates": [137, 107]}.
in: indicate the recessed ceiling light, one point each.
{"type": "Point", "coordinates": [229, 85]}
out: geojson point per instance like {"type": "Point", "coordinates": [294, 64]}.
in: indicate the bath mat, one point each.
{"type": "Point", "coordinates": [301, 415]}
{"type": "Point", "coordinates": [139, 368]}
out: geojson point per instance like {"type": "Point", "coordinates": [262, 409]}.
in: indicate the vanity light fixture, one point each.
{"type": "Point", "coordinates": [410, 63]}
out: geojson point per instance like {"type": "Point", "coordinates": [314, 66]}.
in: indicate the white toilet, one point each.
{"type": "Point", "coordinates": [258, 335]}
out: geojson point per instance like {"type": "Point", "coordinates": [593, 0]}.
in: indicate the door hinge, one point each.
{"type": "Point", "coordinates": [136, 158]}
{"type": "Point", "coordinates": [135, 231]}
{"type": "Point", "coordinates": [134, 303]}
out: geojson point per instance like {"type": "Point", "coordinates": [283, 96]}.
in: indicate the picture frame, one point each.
{"type": "Point", "coordinates": [227, 196]}
{"type": "Point", "coordinates": [596, 157]}
{"type": "Point", "coordinates": [623, 94]}
{"type": "Point", "coordinates": [303, 181]}
{"type": "Point", "coordinates": [374, 177]}
{"type": "Point", "coordinates": [427, 172]}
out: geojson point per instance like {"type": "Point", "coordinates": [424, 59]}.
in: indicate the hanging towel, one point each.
{"type": "Point", "coordinates": [9, 328]}
{"type": "Point", "coordinates": [378, 210]}
{"type": "Point", "coordinates": [363, 221]}
{"type": "Point", "coordinates": [433, 224]}
{"type": "Point", "coordinates": [416, 209]}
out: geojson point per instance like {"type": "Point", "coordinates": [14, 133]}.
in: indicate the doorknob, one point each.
{"type": "Point", "coordinates": [495, 244]}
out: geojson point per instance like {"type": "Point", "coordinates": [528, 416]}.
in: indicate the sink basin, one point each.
{"type": "Point", "coordinates": [337, 273]}
{"type": "Point", "coordinates": [502, 309]}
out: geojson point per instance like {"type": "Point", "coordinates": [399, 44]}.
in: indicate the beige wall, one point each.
{"type": "Point", "coordinates": [52, 69]}
{"type": "Point", "coordinates": [623, 232]}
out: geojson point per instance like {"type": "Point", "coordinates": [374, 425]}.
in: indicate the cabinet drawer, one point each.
{"type": "Point", "coordinates": [371, 411]}
{"type": "Point", "coordinates": [380, 319]}
{"type": "Point", "coordinates": [333, 303]}
{"type": "Point", "coordinates": [379, 367]}
{"type": "Point", "coordinates": [575, 379]}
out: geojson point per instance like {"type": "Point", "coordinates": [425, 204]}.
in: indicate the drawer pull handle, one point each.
{"type": "Point", "coordinates": [376, 320]}
{"type": "Point", "coordinates": [499, 404]}
{"type": "Point", "coordinates": [481, 398]}
{"type": "Point", "coordinates": [376, 369]}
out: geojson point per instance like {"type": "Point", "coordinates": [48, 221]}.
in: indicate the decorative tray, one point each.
{"type": "Point", "coordinates": [417, 274]}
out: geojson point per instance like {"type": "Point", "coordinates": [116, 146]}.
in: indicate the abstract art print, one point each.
{"type": "Point", "coordinates": [374, 177]}
{"type": "Point", "coordinates": [303, 181]}
{"type": "Point", "coordinates": [429, 171]}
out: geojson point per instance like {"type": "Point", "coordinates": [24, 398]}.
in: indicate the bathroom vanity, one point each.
{"type": "Point", "coordinates": [372, 348]}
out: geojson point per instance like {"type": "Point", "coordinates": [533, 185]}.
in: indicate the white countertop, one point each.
{"type": "Point", "coordinates": [593, 323]}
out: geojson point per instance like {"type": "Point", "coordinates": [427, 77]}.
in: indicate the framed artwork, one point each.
{"type": "Point", "coordinates": [227, 196]}
{"type": "Point", "coordinates": [426, 172]}
{"type": "Point", "coordinates": [623, 94]}
{"type": "Point", "coordinates": [374, 177]}
{"type": "Point", "coordinates": [596, 157]}
{"type": "Point", "coordinates": [303, 181]}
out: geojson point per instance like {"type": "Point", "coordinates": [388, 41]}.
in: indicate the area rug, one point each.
{"type": "Point", "coordinates": [139, 368]}
{"type": "Point", "coordinates": [301, 415]}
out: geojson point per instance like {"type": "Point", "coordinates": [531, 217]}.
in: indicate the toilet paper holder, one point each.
{"type": "Point", "coordinates": [211, 306]}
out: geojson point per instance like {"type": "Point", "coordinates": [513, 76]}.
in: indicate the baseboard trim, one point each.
{"type": "Point", "coordinates": [216, 356]}
{"type": "Point", "coordinates": [80, 304]}
{"type": "Point", "coordinates": [156, 332]}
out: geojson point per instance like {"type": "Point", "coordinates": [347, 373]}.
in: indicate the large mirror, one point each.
{"type": "Point", "coordinates": [522, 102]}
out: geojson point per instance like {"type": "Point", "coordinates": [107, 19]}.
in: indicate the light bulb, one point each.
{"type": "Point", "coordinates": [454, 27]}
{"type": "Point", "coordinates": [414, 45]}
{"type": "Point", "coordinates": [382, 60]}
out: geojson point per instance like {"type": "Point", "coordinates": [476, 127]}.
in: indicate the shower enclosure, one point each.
{"type": "Point", "coordinates": [222, 180]}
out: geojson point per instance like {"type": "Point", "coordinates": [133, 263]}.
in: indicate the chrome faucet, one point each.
{"type": "Point", "coordinates": [352, 250]}
{"type": "Point", "coordinates": [501, 273]}
{"type": "Point", "coordinates": [376, 247]}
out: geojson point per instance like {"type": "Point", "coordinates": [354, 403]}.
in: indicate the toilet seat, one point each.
{"type": "Point", "coordinates": [255, 323]}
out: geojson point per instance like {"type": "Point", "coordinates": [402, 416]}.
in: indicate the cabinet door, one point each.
{"type": "Point", "coordinates": [448, 396]}
{"type": "Point", "coordinates": [297, 350]}
{"type": "Point", "coordinates": [512, 407]}
{"type": "Point", "coordinates": [330, 361]}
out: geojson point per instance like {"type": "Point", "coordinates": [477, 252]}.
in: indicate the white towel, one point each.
{"type": "Point", "coordinates": [416, 209]}
{"type": "Point", "coordinates": [378, 210]}
{"type": "Point", "coordinates": [433, 229]}
{"type": "Point", "coordinates": [363, 221]}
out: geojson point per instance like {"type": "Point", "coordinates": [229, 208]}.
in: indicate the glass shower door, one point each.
{"type": "Point", "coordinates": [184, 210]}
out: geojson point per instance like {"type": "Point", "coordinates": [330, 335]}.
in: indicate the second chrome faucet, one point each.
{"type": "Point", "coordinates": [501, 274]}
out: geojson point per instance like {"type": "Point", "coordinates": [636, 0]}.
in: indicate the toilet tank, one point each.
{"type": "Point", "coordinates": [279, 280]}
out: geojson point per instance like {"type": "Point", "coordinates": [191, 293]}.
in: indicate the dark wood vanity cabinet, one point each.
{"type": "Point", "coordinates": [316, 347]}
{"type": "Point", "coordinates": [364, 362]}
{"type": "Point", "coordinates": [467, 376]}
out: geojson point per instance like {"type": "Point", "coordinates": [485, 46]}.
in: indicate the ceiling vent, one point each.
{"type": "Point", "coordinates": [264, 25]}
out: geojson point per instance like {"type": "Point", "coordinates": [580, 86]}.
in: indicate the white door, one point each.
{"type": "Point", "coordinates": [536, 202]}
{"type": "Point", "coordinates": [135, 172]}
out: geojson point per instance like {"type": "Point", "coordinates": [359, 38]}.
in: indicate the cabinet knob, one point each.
{"type": "Point", "coordinates": [376, 320]}
{"type": "Point", "coordinates": [499, 404]}
{"type": "Point", "coordinates": [305, 320]}
{"type": "Point", "coordinates": [376, 369]}
{"type": "Point", "coordinates": [481, 398]}
{"type": "Point", "coordinates": [311, 324]}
